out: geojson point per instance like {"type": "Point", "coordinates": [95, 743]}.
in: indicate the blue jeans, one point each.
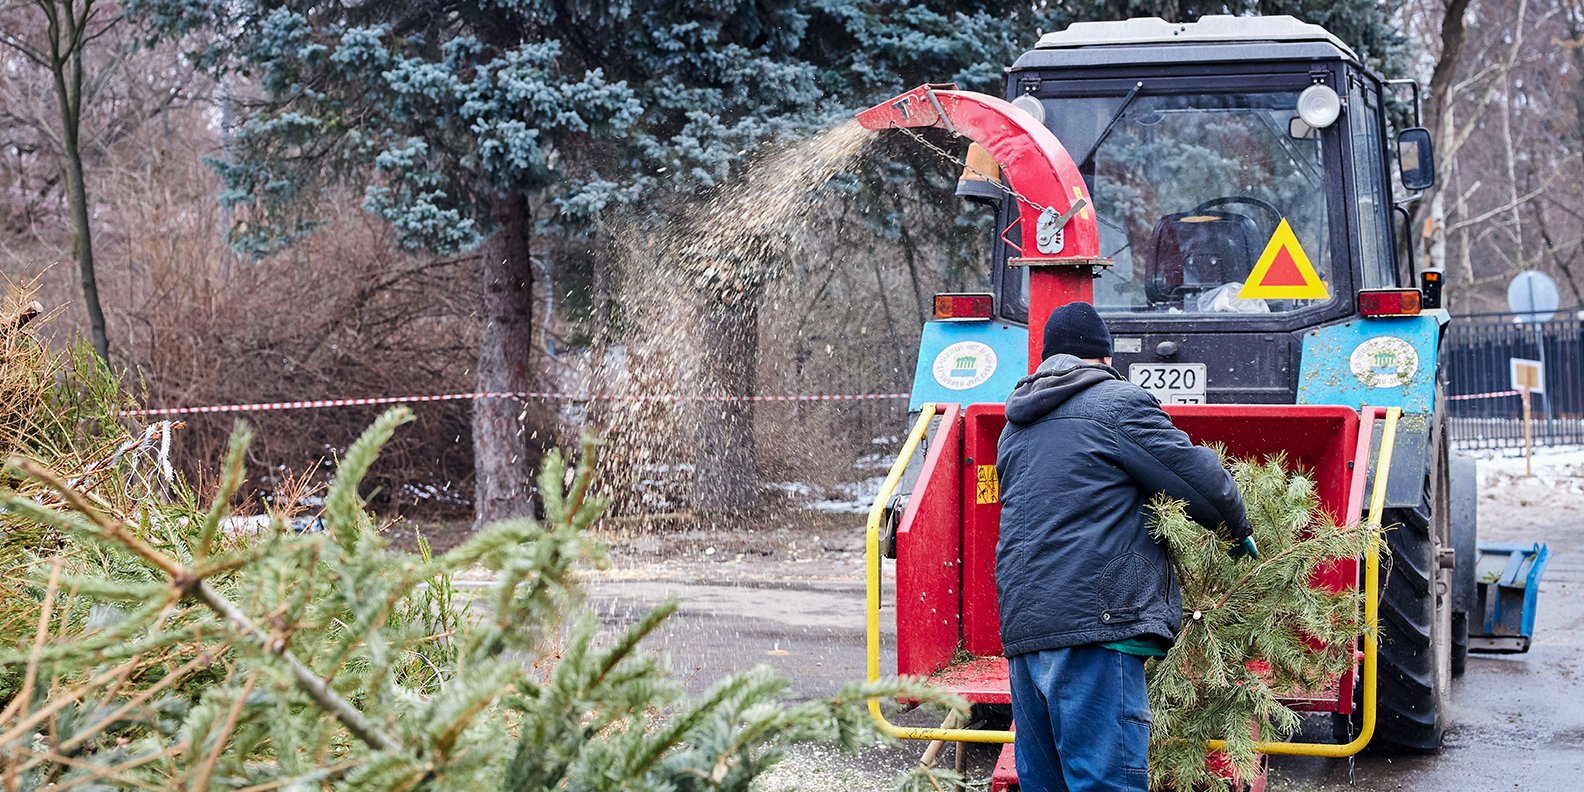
{"type": "Point", "coordinates": [1083, 720]}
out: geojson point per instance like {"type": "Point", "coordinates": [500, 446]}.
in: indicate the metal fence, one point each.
{"type": "Point", "coordinates": [1484, 411]}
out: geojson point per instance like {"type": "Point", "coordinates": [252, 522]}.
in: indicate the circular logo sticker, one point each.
{"type": "Point", "coordinates": [964, 365]}
{"type": "Point", "coordinates": [1384, 362]}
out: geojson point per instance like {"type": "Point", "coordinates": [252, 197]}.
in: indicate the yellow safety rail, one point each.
{"type": "Point", "coordinates": [1371, 608]}
{"type": "Point", "coordinates": [1371, 615]}
{"type": "Point", "coordinates": [872, 561]}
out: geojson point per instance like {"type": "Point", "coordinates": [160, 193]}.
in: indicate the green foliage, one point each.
{"type": "Point", "coordinates": [1251, 632]}
{"type": "Point", "coordinates": [292, 660]}
{"type": "Point", "coordinates": [592, 105]}
{"type": "Point", "coordinates": [435, 113]}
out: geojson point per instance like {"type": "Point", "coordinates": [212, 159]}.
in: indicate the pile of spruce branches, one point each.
{"type": "Point", "coordinates": [152, 641]}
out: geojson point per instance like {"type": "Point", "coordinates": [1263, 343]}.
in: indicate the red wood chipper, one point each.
{"type": "Point", "coordinates": [1230, 216]}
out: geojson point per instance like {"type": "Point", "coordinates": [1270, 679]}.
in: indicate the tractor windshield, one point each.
{"type": "Point", "coordinates": [1191, 188]}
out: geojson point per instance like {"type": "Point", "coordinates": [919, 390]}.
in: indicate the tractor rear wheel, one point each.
{"type": "Point", "coordinates": [1414, 692]}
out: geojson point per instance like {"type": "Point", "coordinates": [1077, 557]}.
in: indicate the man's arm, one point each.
{"type": "Point", "coordinates": [1161, 458]}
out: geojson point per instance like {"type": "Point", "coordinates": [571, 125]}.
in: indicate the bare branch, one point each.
{"type": "Point", "coordinates": [15, 43]}
{"type": "Point", "coordinates": [1508, 206]}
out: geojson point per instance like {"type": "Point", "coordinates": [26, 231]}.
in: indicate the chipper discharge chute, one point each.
{"type": "Point", "coordinates": [1206, 187]}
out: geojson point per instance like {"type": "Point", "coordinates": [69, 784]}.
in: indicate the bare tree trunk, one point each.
{"type": "Point", "coordinates": [1463, 298]}
{"type": "Point", "coordinates": [897, 344]}
{"type": "Point", "coordinates": [503, 458]}
{"type": "Point", "coordinates": [1453, 34]}
{"type": "Point", "coordinates": [910, 256]}
{"type": "Point", "coordinates": [1435, 238]}
{"type": "Point", "coordinates": [600, 374]}
{"type": "Point", "coordinates": [1511, 156]}
{"type": "Point", "coordinates": [725, 472]}
{"type": "Point", "coordinates": [82, 243]}
{"type": "Point", "coordinates": [1438, 117]}
{"type": "Point", "coordinates": [66, 26]}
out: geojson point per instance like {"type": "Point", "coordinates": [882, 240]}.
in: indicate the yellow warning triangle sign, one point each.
{"type": "Point", "coordinates": [1283, 271]}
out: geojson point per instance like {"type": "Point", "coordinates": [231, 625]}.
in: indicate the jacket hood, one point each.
{"type": "Point", "coordinates": [1058, 379]}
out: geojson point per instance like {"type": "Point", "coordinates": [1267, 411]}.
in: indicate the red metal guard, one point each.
{"type": "Point", "coordinates": [928, 547]}
{"type": "Point", "coordinates": [1047, 183]}
{"type": "Point", "coordinates": [940, 563]}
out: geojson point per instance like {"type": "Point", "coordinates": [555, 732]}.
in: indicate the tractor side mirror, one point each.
{"type": "Point", "coordinates": [1416, 158]}
{"type": "Point", "coordinates": [1299, 129]}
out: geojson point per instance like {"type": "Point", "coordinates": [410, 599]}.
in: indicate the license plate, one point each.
{"type": "Point", "coordinates": [1172, 383]}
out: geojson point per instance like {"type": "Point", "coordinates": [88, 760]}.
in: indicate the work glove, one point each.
{"type": "Point", "coordinates": [1244, 549]}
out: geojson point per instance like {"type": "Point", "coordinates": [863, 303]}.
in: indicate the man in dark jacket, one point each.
{"type": "Point", "coordinates": [1086, 594]}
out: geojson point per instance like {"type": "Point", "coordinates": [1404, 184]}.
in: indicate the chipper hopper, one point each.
{"type": "Point", "coordinates": [1329, 359]}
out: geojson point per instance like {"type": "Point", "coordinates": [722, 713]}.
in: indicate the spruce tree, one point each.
{"type": "Point", "coordinates": [1251, 632]}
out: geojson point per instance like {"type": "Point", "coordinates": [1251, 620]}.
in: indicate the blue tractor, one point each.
{"type": "Point", "coordinates": [1248, 188]}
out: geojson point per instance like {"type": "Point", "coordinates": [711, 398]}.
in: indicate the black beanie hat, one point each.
{"type": "Point", "coordinates": [1076, 329]}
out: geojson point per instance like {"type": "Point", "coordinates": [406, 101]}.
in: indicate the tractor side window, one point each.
{"type": "Point", "coordinates": [1371, 205]}
{"type": "Point", "coordinates": [1010, 283]}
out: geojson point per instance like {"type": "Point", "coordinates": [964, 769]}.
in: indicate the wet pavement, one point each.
{"type": "Point", "coordinates": [814, 637]}
{"type": "Point", "coordinates": [1519, 719]}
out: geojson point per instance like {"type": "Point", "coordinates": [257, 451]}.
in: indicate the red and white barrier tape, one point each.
{"type": "Point", "coordinates": [520, 395]}
{"type": "Point", "coordinates": [1490, 395]}
{"type": "Point", "coordinates": [554, 396]}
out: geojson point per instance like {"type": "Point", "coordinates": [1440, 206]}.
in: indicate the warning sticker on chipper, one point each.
{"type": "Point", "coordinates": [964, 365]}
{"type": "Point", "coordinates": [989, 485]}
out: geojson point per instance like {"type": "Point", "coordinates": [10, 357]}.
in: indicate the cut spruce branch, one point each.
{"type": "Point", "coordinates": [1251, 633]}
{"type": "Point", "coordinates": [188, 583]}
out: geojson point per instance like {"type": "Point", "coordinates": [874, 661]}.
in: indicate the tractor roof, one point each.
{"type": "Point", "coordinates": [1154, 40]}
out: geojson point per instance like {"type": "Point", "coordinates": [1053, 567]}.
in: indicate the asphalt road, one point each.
{"type": "Point", "coordinates": [812, 635]}
{"type": "Point", "coordinates": [1519, 720]}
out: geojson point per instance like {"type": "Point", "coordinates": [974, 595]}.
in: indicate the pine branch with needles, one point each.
{"type": "Point", "coordinates": [1251, 633]}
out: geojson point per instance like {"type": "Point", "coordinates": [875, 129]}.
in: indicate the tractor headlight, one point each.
{"type": "Point", "coordinates": [1031, 105]}
{"type": "Point", "coordinates": [1319, 106]}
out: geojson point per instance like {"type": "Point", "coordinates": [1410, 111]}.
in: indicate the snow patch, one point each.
{"type": "Point", "coordinates": [259, 524]}
{"type": "Point", "coordinates": [796, 489]}
{"type": "Point", "coordinates": [249, 525]}
{"type": "Point", "coordinates": [1555, 467]}
{"type": "Point", "coordinates": [422, 492]}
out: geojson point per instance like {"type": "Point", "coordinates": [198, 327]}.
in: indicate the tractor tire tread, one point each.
{"type": "Point", "coordinates": [1407, 716]}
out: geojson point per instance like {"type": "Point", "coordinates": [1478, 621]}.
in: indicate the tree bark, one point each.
{"type": "Point", "coordinates": [600, 376]}
{"type": "Point", "coordinates": [1438, 118]}
{"type": "Point", "coordinates": [1453, 34]}
{"type": "Point", "coordinates": [82, 245]}
{"type": "Point", "coordinates": [725, 469]}
{"type": "Point", "coordinates": [66, 25]}
{"type": "Point", "coordinates": [503, 454]}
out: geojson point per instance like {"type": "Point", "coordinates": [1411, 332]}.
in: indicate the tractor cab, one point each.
{"type": "Point", "coordinates": [1204, 146]}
